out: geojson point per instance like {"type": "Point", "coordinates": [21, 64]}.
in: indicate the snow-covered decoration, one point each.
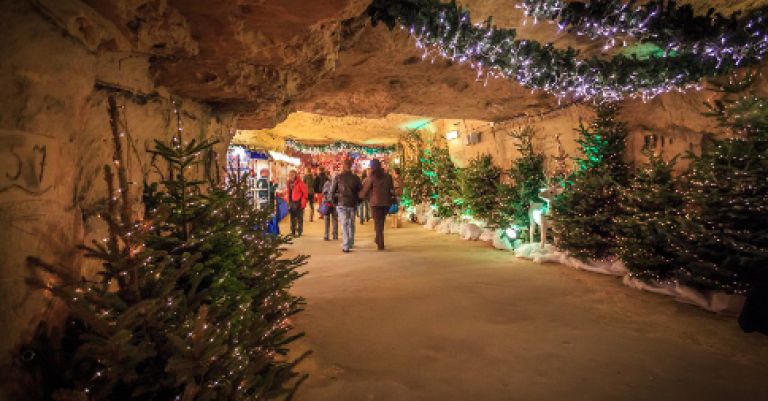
{"type": "Point", "coordinates": [540, 254]}
{"type": "Point", "coordinates": [487, 235]}
{"type": "Point", "coordinates": [613, 267]}
{"type": "Point", "coordinates": [445, 226]}
{"type": "Point", "coordinates": [501, 241]}
{"type": "Point", "coordinates": [432, 223]}
{"type": "Point", "coordinates": [456, 227]}
{"type": "Point", "coordinates": [422, 211]}
{"type": "Point", "coordinates": [713, 301]}
{"type": "Point", "coordinates": [470, 231]}
{"type": "Point", "coordinates": [663, 288]}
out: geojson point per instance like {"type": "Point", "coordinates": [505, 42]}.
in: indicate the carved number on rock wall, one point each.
{"type": "Point", "coordinates": [23, 162]}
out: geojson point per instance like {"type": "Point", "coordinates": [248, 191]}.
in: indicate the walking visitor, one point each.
{"type": "Point", "coordinates": [363, 209]}
{"type": "Point", "coordinates": [345, 189]}
{"type": "Point", "coordinates": [320, 180]}
{"type": "Point", "coordinates": [332, 216]}
{"type": "Point", "coordinates": [309, 181]}
{"type": "Point", "coordinates": [297, 202]}
{"type": "Point", "coordinates": [379, 190]}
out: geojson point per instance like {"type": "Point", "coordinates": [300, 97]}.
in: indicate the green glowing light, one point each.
{"type": "Point", "coordinates": [644, 51]}
{"type": "Point", "coordinates": [419, 124]}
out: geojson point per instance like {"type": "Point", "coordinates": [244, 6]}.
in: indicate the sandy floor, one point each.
{"type": "Point", "coordinates": [438, 318]}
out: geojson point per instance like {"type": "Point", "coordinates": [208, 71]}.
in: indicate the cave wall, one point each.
{"type": "Point", "coordinates": [677, 121]}
{"type": "Point", "coordinates": [61, 60]}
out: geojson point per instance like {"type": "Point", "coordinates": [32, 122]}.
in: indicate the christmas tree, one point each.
{"type": "Point", "coordinates": [650, 204]}
{"type": "Point", "coordinates": [479, 187]}
{"type": "Point", "coordinates": [527, 176]}
{"type": "Point", "coordinates": [724, 240]}
{"type": "Point", "coordinates": [584, 213]}
{"type": "Point", "coordinates": [192, 302]}
{"type": "Point", "coordinates": [445, 182]}
{"type": "Point", "coordinates": [417, 184]}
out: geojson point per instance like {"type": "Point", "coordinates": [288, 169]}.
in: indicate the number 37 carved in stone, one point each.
{"type": "Point", "coordinates": [23, 159]}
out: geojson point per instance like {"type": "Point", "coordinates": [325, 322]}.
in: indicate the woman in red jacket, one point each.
{"type": "Point", "coordinates": [297, 201]}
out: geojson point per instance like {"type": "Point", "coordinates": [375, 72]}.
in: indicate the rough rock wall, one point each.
{"type": "Point", "coordinates": [675, 119]}
{"type": "Point", "coordinates": [60, 62]}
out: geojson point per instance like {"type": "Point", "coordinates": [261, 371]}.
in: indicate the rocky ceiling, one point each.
{"type": "Point", "coordinates": [316, 128]}
{"type": "Point", "coordinates": [264, 59]}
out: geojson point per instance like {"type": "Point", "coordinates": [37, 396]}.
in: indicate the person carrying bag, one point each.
{"type": "Point", "coordinates": [297, 201]}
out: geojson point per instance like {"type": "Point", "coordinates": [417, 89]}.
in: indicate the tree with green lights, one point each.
{"type": "Point", "coordinates": [479, 188]}
{"type": "Point", "coordinates": [191, 302]}
{"type": "Point", "coordinates": [724, 232]}
{"type": "Point", "coordinates": [444, 176]}
{"type": "Point", "coordinates": [527, 176]}
{"type": "Point", "coordinates": [585, 212]}
{"type": "Point", "coordinates": [651, 206]}
{"type": "Point", "coordinates": [417, 184]}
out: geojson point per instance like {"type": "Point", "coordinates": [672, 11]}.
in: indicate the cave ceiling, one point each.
{"type": "Point", "coordinates": [265, 59]}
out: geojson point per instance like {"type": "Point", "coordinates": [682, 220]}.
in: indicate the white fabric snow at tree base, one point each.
{"type": "Point", "coordinates": [487, 235]}
{"type": "Point", "coordinates": [445, 226]}
{"type": "Point", "coordinates": [500, 241]}
{"type": "Point", "coordinates": [470, 231]}
{"type": "Point", "coordinates": [713, 301]}
{"type": "Point", "coordinates": [432, 223]}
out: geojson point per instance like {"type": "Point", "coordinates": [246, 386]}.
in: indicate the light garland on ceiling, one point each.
{"type": "Point", "coordinates": [446, 30]}
{"type": "Point", "coordinates": [339, 147]}
{"type": "Point", "coordinates": [727, 40]}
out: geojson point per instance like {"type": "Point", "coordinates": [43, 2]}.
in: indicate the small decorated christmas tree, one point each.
{"type": "Point", "coordinates": [585, 212]}
{"type": "Point", "coordinates": [479, 187]}
{"type": "Point", "coordinates": [724, 240]}
{"type": "Point", "coordinates": [651, 205]}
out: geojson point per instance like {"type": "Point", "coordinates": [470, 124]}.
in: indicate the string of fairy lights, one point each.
{"type": "Point", "coordinates": [446, 31]}
{"type": "Point", "coordinates": [338, 147]}
{"type": "Point", "coordinates": [676, 29]}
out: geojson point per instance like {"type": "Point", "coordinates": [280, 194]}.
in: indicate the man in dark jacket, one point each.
{"type": "Point", "coordinates": [379, 190]}
{"type": "Point", "coordinates": [309, 181]}
{"type": "Point", "coordinates": [320, 180]}
{"type": "Point", "coordinates": [322, 177]}
{"type": "Point", "coordinates": [345, 189]}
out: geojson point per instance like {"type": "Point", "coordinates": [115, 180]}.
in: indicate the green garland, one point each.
{"type": "Point", "coordinates": [338, 147]}
{"type": "Point", "coordinates": [446, 30]}
{"type": "Point", "coordinates": [730, 40]}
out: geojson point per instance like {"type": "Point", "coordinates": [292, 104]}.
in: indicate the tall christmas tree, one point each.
{"type": "Point", "coordinates": [651, 205]}
{"type": "Point", "coordinates": [444, 176]}
{"type": "Point", "coordinates": [584, 213]}
{"type": "Point", "coordinates": [724, 241]}
{"type": "Point", "coordinates": [479, 187]}
{"type": "Point", "coordinates": [192, 302]}
{"type": "Point", "coordinates": [527, 176]}
{"type": "Point", "coordinates": [417, 184]}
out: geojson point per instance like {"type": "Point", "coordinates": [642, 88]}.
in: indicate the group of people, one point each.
{"type": "Point", "coordinates": [341, 195]}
